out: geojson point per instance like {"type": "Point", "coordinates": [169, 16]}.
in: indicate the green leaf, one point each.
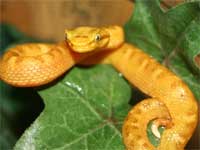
{"type": "Point", "coordinates": [169, 34]}
{"type": "Point", "coordinates": [181, 68]}
{"type": "Point", "coordinates": [84, 111]}
{"type": "Point", "coordinates": [142, 32]}
{"type": "Point", "coordinates": [189, 44]}
{"type": "Point", "coordinates": [152, 138]}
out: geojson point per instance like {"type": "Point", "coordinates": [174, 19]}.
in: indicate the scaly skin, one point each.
{"type": "Point", "coordinates": [158, 82]}
{"type": "Point", "coordinates": [30, 65]}
{"type": "Point", "coordinates": [135, 136]}
{"type": "Point", "coordinates": [172, 104]}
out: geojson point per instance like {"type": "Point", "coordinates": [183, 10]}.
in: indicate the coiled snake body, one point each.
{"type": "Point", "coordinates": [171, 105]}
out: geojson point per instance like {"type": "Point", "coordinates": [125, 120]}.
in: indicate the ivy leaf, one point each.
{"type": "Point", "coordinates": [181, 68]}
{"type": "Point", "coordinates": [85, 111]}
{"type": "Point", "coordinates": [166, 35]}
{"type": "Point", "coordinates": [153, 139]}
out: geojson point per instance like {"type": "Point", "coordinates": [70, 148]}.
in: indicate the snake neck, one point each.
{"type": "Point", "coordinates": [116, 36]}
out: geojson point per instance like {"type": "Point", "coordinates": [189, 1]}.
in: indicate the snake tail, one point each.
{"type": "Point", "coordinates": [134, 130]}
{"type": "Point", "coordinates": [159, 83]}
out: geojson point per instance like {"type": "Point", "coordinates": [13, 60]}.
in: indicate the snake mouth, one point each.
{"type": "Point", "coordinates": [83, 49]}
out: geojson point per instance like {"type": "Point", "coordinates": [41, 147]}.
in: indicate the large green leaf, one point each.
{"type": "Point", "coordinates": [172, 37]}
{"type": "Point", "coordinates": [84, 111]}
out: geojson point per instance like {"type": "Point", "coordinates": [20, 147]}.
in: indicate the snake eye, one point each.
{"type": "Point", "coordinates": [97, 37]}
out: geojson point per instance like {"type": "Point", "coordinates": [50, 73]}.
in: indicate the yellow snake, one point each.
{"type": "Point", "coordinates": [171, 105]}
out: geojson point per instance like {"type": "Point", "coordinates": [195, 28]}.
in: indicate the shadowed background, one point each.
{"type": "Point", "coordinates": [48, 19]}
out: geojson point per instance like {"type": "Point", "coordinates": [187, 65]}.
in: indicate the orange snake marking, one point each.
{"type": "Point", "coordinates": [172, 104]}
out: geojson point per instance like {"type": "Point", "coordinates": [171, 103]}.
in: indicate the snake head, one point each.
{"type": "Point", "coordinates": [86, 39]}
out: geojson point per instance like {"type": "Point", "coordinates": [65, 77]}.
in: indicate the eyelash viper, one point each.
{"type": "Point", "coordinates": [171, 105]}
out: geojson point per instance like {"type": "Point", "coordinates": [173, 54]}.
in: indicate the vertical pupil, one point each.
{"type": "Point", "coordinates": [65, 36]}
